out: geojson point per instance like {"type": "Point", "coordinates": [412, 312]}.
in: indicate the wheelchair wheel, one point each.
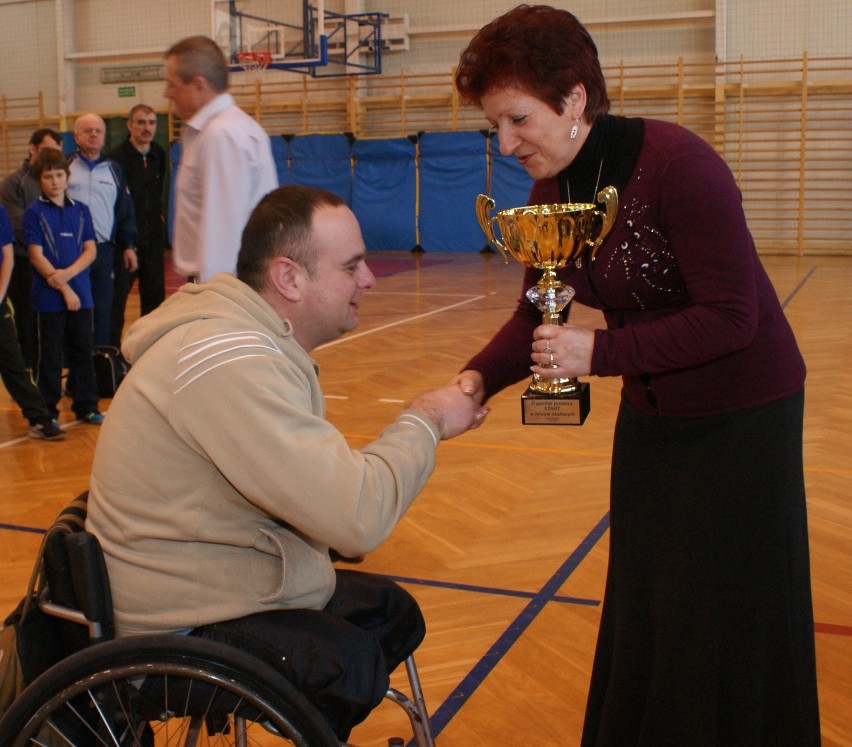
{"type": "Point", "coordinates": [163, 691]}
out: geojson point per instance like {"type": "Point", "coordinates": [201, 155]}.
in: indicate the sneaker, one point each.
{"type": "Point", "coordinates": [93, 418]}
{"type": "Point", "coordinates": [49, 430]}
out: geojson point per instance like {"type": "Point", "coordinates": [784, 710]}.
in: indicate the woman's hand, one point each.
{"type": "Point", "coordinates": [562, 351]}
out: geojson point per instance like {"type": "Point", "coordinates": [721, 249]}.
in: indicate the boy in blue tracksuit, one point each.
{"type": "Point", "coordinates": [60, 240]}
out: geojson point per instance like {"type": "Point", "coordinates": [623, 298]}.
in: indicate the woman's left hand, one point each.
{"type": "Point", "coordinates": [562, 351]}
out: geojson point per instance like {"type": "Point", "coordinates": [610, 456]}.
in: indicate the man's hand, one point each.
{"type": "Point", "coordinates": [450, 409]}
{"type": "Point", "coordinates": [72, 300]}
{"type": "Point", "coordinates": [131, 261]}
{"type": "Point", "coordinates": [471, 383]}
{"type": "Point", "coordinates": [58, 278]}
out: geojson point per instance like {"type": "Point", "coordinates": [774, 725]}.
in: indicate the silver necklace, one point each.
{"type": "Point", "coordinates": [597, 184]}
{"type": "Point", "coordinates": [578, 263]}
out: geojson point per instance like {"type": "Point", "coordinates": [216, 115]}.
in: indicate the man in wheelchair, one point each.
{"type": "Point", "coordinates": [219, 491]}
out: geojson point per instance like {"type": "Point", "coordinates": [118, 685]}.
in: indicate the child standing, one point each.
{"type": "Point", "coordinates": [60, 240]}
{"type": "Point", "coordinates": [13, 370]}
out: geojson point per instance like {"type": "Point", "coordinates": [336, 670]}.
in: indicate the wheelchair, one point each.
{"type": "Point", "coordinates": [149, 691]}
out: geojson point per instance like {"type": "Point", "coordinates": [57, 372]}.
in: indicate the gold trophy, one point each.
{"type": "Point", "coordinates": [548, 237]}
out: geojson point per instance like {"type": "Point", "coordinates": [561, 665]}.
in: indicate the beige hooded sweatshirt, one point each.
{"type": "Point", "coordinates": [218, 486]}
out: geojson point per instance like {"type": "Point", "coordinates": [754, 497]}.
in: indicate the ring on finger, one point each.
{"type": "Point", "coordinates": [551, 358]}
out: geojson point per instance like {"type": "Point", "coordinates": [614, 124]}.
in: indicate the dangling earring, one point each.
{"type": "Point", "coordinates": [574, 128]}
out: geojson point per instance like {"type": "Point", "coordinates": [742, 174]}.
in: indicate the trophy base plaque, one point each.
{"type": "Point", "coordinates": [556, 409]}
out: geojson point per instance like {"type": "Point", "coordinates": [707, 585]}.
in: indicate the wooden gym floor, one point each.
{"type": "Point", "coordinates": [506, 547]}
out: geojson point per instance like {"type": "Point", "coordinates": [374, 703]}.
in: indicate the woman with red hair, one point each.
{"type": "Point", "coordinates": [706, 634]}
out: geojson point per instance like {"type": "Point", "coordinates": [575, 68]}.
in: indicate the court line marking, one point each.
{"type": "Point", "coordinates": [399, 322]}
{"type": "Point", "coordinates": [799, 287]}
{"type": "Point", "coordinates": [462, 693]}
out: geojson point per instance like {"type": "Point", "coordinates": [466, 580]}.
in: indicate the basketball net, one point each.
{"type": "Point", "coordinates": [254, 62]}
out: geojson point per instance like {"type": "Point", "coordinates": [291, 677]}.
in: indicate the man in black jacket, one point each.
{"type": "Point", "coordinates": [143, 162]}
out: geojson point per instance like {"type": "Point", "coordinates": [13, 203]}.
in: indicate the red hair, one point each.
{"type": "Point", "coordinates": [539, 49]}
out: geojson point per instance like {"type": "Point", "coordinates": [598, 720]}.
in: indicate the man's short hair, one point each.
{"type": "Point", "coordinates": [50, 159]}
{"type": "Point", "coordinates": [280, 226]}
{"type": "Point", "coordinates": [200, 55]}
{"type": "Point", "coordinates": [144, 108]}
{"type": "Point", "coordinates": [37, 138]}
{"type": "Point", "coordinates": [88, 115]}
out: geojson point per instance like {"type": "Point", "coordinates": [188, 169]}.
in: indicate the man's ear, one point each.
{"type": "Point", "coordinates": [286, 277]}
{"type": "Point", "coordinates": [202, 86]}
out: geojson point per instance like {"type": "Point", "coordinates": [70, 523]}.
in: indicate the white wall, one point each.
{"type": "Point", "coordinates": [637, 31]}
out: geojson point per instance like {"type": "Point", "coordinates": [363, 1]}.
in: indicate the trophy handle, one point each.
{"type": "Point", "coordinates": [609, 197]}
{"type": "Point", "coordinates": [484, 204]}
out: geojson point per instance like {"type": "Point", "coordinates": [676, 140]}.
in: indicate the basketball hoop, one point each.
{"type": "Point", "coordinates": [253, 62]}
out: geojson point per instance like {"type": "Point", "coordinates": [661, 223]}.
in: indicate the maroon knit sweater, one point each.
{"type": "Point", "coordinates": [694, 325]}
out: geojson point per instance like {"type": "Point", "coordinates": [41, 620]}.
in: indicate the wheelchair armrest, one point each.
{"type": "Point", "coordinates": [90, 579]}
{"type": "Point", "coordinates": [96, 630]}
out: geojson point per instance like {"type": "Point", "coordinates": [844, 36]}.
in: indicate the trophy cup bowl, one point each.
{"type": "Point", "coordinates": [548, 237]}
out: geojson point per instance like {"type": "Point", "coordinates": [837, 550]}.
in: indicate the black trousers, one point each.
{"type": "Point", "coordinates": [339, 657]}
{"type": "Point", "coordinates": [66, 335]}
{"type": "Point", "coordinates": [102, 277]}
{"type": "Point", "coordinates": [20, 296]}
{"type": "Point", "coordinates": [13, 371]}
{"type": "Point", "coordinates": [152, 285]}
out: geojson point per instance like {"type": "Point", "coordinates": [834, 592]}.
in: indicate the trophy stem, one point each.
{"type": "Point", "coordinates": [551, 296]}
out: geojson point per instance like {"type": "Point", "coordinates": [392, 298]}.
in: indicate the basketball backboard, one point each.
{"type": "Point", "coordinates": [301, 37]}
{"type": "Point", "coordinates": [289, 34]}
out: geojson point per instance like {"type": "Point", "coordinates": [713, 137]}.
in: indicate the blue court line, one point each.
{"type": "Point", "coordinates": [16, 528]}
{"type": "Point", "coordinates": [798, 287]}
{"type": "Point", "coordinates": [451, 706]}
{"type": "Point", "coordinates": [488, 590]}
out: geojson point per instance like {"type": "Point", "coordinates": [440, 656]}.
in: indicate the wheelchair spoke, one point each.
{"type": "Point", "coordinates": [162, 691]}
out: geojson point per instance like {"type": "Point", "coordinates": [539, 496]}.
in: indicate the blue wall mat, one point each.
{"type": "Point", "coordinates": [281, 154]}
{"type": "Point", "coordinates": [383, 192]}
{"type": "Point", "coordinates": [322, 161]}
{"type": "Point", "coordinates": [69, 145]}
{"type": "Point", "coordinates": [174, 155]}
{"type": "Point", "coordinates": [452, 174]}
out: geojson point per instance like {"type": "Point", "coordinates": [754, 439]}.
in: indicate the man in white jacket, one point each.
{"type": "Point", "coordinates": [219, 489]}
{"type": "Point", "coordinates": [226, 163]}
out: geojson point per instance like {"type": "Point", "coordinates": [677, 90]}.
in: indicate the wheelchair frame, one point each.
{"type": "Point", "coordinates": [104, 693]}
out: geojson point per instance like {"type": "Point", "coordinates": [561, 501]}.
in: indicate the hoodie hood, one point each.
{"type": "Point", "coordinates": [224, 297]}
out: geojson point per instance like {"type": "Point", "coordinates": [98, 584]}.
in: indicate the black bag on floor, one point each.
{"type": "Point", "coordinates": [110, 369]}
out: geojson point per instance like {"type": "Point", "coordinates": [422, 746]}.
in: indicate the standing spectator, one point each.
{"type": "Point", "coordinates": [19, 190]}
{"type": "Point", "coordinates": [144, 165]}
{"type": "Point", "coordinates": [226, 162]}
{"type": "Point", "coordinates": [98, 182]}
{"type": "Point", "coordinates": [60, 239]}
{"type": "Point", "coordinates": [13, 372]}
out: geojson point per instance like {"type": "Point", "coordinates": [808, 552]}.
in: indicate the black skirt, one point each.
{"type": "Point", "coordinates": [706, 634]}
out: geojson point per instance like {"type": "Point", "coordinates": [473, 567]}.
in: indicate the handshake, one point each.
{"type": "Point", "coordinates": [455, 408]}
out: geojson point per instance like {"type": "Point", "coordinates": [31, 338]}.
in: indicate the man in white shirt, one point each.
{"type": "Point", "coordinates": [226, 163]}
